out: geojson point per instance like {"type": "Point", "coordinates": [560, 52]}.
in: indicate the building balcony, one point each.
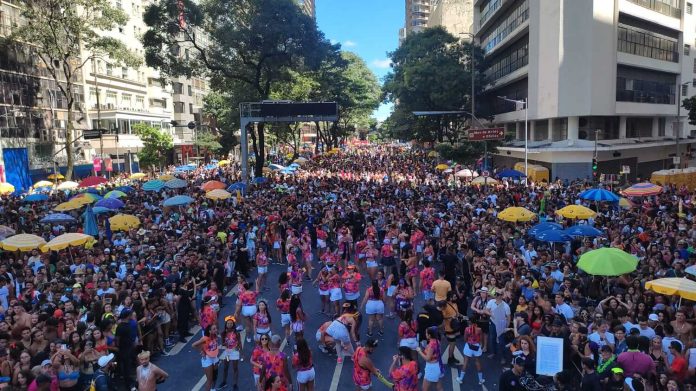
{"type": "Point", "coordinates": [637, 9]}
{"type": "Point", "coordinates": [659, 7]}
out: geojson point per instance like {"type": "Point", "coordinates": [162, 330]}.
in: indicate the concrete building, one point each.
{"type": "Point", "coordinates": [308, 8]}
{"type": "Point", "coordinates": [456, 16]}
{"type": "Point", "coordinates": [417, 14]}
{"type": "Point", "coordinates": [604, 75]}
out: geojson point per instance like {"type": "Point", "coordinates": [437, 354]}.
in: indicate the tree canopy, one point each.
{"type": "Point", "coordinates": [155, 145]}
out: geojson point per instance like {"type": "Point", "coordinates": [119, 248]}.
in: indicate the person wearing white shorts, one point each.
{"type": "Point", "coordinates": [335, 294]}
{"type": "Point", "coordinates": [296, 289]}
{"type": "Point", "coordinates": [306, 376]}
{"type": "Point", "coordinates": [285, 319]}
{"type": "Point", "coordinates": [374, 308]}
{"type": "Point", "coordinates": [248, 310]}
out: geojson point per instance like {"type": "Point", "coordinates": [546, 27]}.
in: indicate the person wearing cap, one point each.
{"type": "Point", "coordinates": [148, 374]}
{"type": "Point", "coordinates": [510, 379]}
{"type": "Point", "coordinates": [363, 368]}
{"type": "Point", "coordinates": [102, 377]}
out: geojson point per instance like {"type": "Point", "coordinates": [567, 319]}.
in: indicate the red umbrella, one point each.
{"type": "Point", "coordinates": [92, 181]}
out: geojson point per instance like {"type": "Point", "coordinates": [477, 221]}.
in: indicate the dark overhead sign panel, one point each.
{"type": "Point", "coordinates": [317, 109]}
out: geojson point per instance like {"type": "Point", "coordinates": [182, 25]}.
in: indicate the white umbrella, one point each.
{"type": "Point", "coordinates": [465, 173]}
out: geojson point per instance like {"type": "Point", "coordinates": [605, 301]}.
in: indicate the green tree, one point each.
{"type": "Point", "coordinates": [690, 104]}
{"type": "Point", "coordinates": [58, 32]}
{"type": "Point", "coordinates": [156, 143]}
{"type": "Point", "coordinates": [245, 46]}
{"type": "Point", "coordinates": [208, 141]}
{"type": "Point", "coordinates": [431, 71]}
{"type": "Point", "coordinates": [302, 87]}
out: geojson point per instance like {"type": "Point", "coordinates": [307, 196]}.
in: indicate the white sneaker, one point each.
{"type": "Point", "coordinates": [460, 379]}
{"type": "Point", "coordinates": [482, 381]}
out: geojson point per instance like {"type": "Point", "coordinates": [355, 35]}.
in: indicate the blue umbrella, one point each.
{"type": "Point", "coordinates": [275, 167]}
{"type": "Point", "coordinates": [185, 168]}
{"type": "Point", "coordinates": [211, 166]}
{"type": "Point", "coordinates": [89, 226]}
{"type": "Point", "coordinates": [288, 172]}
{"type": "Point", "coordinates": [36, 198]}
{"type": "Point", "coordinates": [58, 218]}
{"type": "Point", "coordinates": [260, 179]}
{"type": "Point", "coordinates": [583, 230]}
{"type": "Point", "coordinates": [237, 186]}
{"type": "Point", "coordinates": [510, 173]}
{"type": "Point", "coordinates": [100, 209]}
{"type": "Point", "coordinates": [541, 227]}
{"type": "Point", "coordinates": [294, 165]}
{"type": "Point", "coordinates": [125, 189]}
{"type": "Point", "coordinates": [111, 203]}
{"type": "Point", "coordinates": [153, 185]}
{"type": "Point", "coordinates": [553, 235]}
{"type": "Point", "coordinates": [599, 195]}
{"type": "Point", "coordinates": [93, 190]}
{"type": "Point", "coordinates": [176, 183]}
{"type": "Point", "coordinates": [214, 161]}
{"type": "Point", "coordinates": [177, 200]}
{"type": "Point", "coordinates": [44, 189]}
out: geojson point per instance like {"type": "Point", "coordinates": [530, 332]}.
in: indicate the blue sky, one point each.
{"type": "Point", "coordinates": [369, 28]}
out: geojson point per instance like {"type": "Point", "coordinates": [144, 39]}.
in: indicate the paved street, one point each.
{"type": "Point", "coordinates": [183, 364]}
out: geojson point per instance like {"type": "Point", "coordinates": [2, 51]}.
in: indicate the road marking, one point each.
{"type": "Point", "coordinates": [454, 371]}
{"type": "Point", "coordinates": [201, 382]}
{"type": "Point", "coordinates": [336, 377]}
{"type": "Point", "coordinates": [180, 345]}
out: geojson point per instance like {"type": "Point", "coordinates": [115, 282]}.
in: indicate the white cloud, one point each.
{"type": "Point", "coordinates": [349, 44]}
{"type": "Point", "coordinates": [382, 64]}
{"type": "Point", "coordinates": [333, 41]}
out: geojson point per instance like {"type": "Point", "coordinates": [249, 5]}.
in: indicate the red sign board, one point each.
{"type": "Point", "coordinates": [486, 134]}
{"type": "Point", "coordinates": [97, 164]}
{"type": "Point", "coordinates": [109, 164]}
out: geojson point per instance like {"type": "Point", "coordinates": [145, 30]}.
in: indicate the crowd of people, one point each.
{"type": "Point", "coordinates": [382, 238]}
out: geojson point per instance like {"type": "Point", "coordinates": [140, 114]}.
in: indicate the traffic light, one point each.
{"type": "Point", "coordinates": [594, 166]}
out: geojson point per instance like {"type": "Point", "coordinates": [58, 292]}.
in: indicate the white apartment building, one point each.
{"type": "Point", "coordinates": [456, 16]}
{"type": "Point", "coordinates": [417, 14]}
{"type": "Point", "coordinates": [611, 69]}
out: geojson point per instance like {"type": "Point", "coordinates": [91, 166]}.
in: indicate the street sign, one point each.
{"type": "Point", "coordinates": [625, 169]}
{"type": "Point", "coordinates": [486, 134]}
{"type": "Point", "coordinates": [91, 134]}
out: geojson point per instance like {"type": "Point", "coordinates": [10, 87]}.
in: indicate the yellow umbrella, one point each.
{"type": "Point", "coordinates": [682, 287]}
{"type": "Point", "coordinates": [576, 212]}
{"type": "Point", "coordinates": [484, 180]}
{"type": "Point", "coordinates": [516, 214]}
{"type": "Point", "coordinates": [300, 160]}
{"type": "Point", "coordinates": [43, 184]}
{"type": "Point", "coordinates": [218, 194]}
{"type": "Point", "coordinates": [625, 203]}
{"type": "Point", "coordinates": [6, 188]}
{"type": "Point", "coordinates": [166, 177]}
{"type": "Point", "coordinates": [223, 163]}
{"type": "Point", "coordinates": [70, 205]}
{"type": "Point", "coordinates": [22, 242]}
{"type": "Point", "coordinates": [56, 176]}
{"type": "Point", "coordinates": [138, 176]}
{"type": "Point", "coordinates": [82, 201]}
{"type": "Point", "coordinates": [122, 222]}
{"type": "Point", "coordinates": [68, 185]}
{"type": "Point", "coordinates": [433, 154]}
{"type": "Point", "coordinates": [441, 167]}
{"type": "Point", "coordinates": [65, 241]}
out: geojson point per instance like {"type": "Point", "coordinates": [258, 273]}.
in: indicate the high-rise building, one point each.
{"type": "Point", "coordinates": [417, 13]}
{"type": "Point", "coordinates": [308, 7]}
{"type": "Point", "coordinates": [456, 16]}
{"type": "Point", "coordinates": [602, 78]}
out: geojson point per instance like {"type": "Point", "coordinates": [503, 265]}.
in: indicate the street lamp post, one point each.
{"type": "Point", "coordinates": [473, 90]}
{"type": "Point", "coordinates": [678, 130]}
{"type": "Point", "coordinates": [526, 134]}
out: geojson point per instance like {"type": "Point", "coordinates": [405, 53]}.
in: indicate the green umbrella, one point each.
{"type": "Point", "coordinates": [607, 262]}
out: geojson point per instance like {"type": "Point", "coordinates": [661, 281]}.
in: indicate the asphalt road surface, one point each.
{"type": "Point", "coordinates": [185, 373]}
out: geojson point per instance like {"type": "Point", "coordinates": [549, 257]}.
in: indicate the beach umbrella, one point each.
{"type": "Point", "coordinates": [553, 236]}
{"type": "Point", "coordinates": [66, 206]}
{"type": "Point", "coordinates": [583, 230]}
{"type": "Point", "coordinates": [294, 166]}
{"type": "Point", "coordinates": [682, 287]}
{"type": "Point", "coordinates": [36, 198]}
{"type": "Point", "coordinates": [275, 167]}
{"type": "Point", "coordinates": [484, 180]}
{"type": "Point", "coordinates": [433, 154]}
{"type": "Point", "coordinates": [80, 201]}
{"type": "Point", "coordinates": [89, 223]}
{"type": "Point", "coordinates": [237, 186]}
{"type": "Point", "coordinates": [541, 227]}
{"type": "Point", "coordinates": [6, 231]}
{"type": "Point", "coordinates": [55, 176]}
{"type": "Point", "coordinates": [122, 222]}
{"type": "Point", "coordinates": [223, 163]}
{"type": "Point", "coordinates": [576, 212]}
{"type": "Point", "coordinates": [63, 241]}
{"type": "Point", "coordinates": [166, 177]}
{"type": "Point", "coordinates": [43, 184]}
{"type": "Point", "coordinates": [691, 270]}
{"type": "Point", "coordinates": [178, 200]}
{"type": "Point", "coordinates": [111, 203]}
{"type": "Point", "coordinates": [300, 161]}
{"type": "Point", "coordinates": [68, 185]}
{"type": "Point", "coordinates": [218, 194]}
{"type": "Point", "coordinates": [642, 190]}
{"type": "Point", "coordinates": [176, 183]}
{"type": "Point", "coordinates": [515, 214]}
{"type": "Point", "coordinates": [210, 166]}
{"type": "Point", "coordinates": [138, 176]}
{"type": "Point", "coordinates": [90, 197]}
{"type": "Point", "coordinates": [22, 242]}
{"type": "Point", "coordinates": [185, 167]}
{"type": "Point", "coordinates": [97, 210]}
{"type": "Point", "coordinates": [607, 261]}
{"type": "Point", "coordinates": [92, 181]}
{"type": "Point", "coordinates": [288, 171]}
{"type": "Point", "coordinates": [465, 173]}
{"type": "Point", "coordinates": [441, 167]}
{"type": "Point", "coordinates": [599, 195]}
{"type": "Point", "coordinates": [126, 189]}
{"type": "Point", "coordinates": [153, 185]}
{"type": "Point", "coordinates": [212, 185]}
{"type": "Point", "coordinates": [6, 188]}
{"type": "Point", "coordinates": [510, 173]}
{"type": "Point", "coordinates": [44, 189]}
{"type": "Point", "coordinates": [260, 179]}
{"type": "Point", "coordinates": [115, 194]}
{"type": "Point", "coordinates": [57, 218]}
{"type": "Point", "coordinates": [625, 203]}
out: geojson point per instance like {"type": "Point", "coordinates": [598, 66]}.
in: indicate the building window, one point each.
{"type": "Point", "coordinates": [644, 43]}
{"type": "Point", "coordinates": [687, 49]}
{"type": "Point", "coordinates": [124, 73]}
{"type": "Point", "coordinates": [685, 90]}
{"type": "Point", "coordinates": [109, 69]}
{"type": "Point", "coordinates": [126, 100]}
{"type": "Point", "coordinates": [190, 108]}
{"type": "Point", "coordinates": [689, 8]}
{"type": "Point", "coordinates": [179, 107]}
{"type": "Point", "coordinates": [512, 59]}
{"type": "Point", "coordinates": [190, 90]}
{"type": "Point", "coordinates": [178, 88]}
{"type": "Point", "coordinates": [642, 86]}
{"type": "Point", "coordinates": [514, 19]}
{"type": "Point", "coordinates": [140, 102]}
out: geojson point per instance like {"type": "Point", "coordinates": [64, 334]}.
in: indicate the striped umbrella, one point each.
{"type": "Point", "coordinates": [644, 189]}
